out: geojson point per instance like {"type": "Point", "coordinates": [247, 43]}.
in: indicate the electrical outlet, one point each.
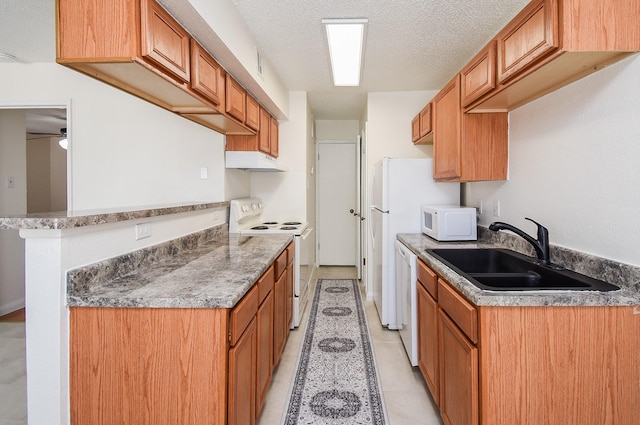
{"type": "Point", "coordinates": [143, 230]}
{"type": "Point", "coordinates": [496, 208]}
{"type": "Point", "coordinates": [204, 173]}
{"type": "Point", "coordinates": [479, 206]}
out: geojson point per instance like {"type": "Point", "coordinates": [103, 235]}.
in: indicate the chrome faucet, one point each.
{"type": "Point", "coordinates": [541, 245]}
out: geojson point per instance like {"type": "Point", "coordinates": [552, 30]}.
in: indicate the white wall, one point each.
{"type": "Point", "coordinates": [574, 165]}
{"type": "Point", "coordinates": [123, 151]}
{"type": "Point", "coordinates": [13, 162]}
{"type": "Point", "coordinates": [285, 193]}
{"type": "Point", "coordinates": [337, 130]}
{"type": "Point", "coordinates": [389, 116]}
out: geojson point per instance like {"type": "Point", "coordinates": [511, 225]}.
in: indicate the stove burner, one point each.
{"type": "Point", "coordinates": [288, 228]}
{"type": "Point", "coordinates": [270, 222]}
{"type": "Point", "coordinates": [260, 228]}
{"type": "Point", "coordinates": [292, 223]}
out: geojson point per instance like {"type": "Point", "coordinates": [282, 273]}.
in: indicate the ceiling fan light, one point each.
{"type": "Point", "coordinates": [345, 38]}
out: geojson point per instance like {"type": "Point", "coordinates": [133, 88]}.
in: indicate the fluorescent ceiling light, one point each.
{"type": "Point", "coordinates": [346, 41]}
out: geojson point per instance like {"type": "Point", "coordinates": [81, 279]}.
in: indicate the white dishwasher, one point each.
{"type": "Point", "coordinates": [406, 303]}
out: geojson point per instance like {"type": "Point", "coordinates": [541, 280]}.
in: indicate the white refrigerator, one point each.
{"type": "Point", "coordinates": [398, 188]}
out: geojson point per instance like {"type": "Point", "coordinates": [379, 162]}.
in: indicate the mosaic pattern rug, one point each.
{"type": "Point", "coordinates": [336, 380]}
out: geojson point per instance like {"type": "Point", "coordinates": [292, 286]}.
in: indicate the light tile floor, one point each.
{"type": "Point", "coordinates": [406, 396]}
{"type": "Point", "coordinates": [13, 376]}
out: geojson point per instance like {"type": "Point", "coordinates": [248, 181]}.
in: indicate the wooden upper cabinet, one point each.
{"type": "Point", "coordinates": [236, 99]}
{"type": "Point", "coordinates": [136, 46]}
{"type": "Point", "coordinates": [447, 119]}
{"type": "Point", "coordinates": [529, 37]}
{"type": "Point", "coordinates": [479, 76]}
{"type": "Point", "coordinates": [164, 42]}
{"type": "Point", "coordinates": [206, 74]}
{"type": "Point", "coordinates": [273, 137]}
{"type": "Point", "coordinates": [252, 119]}
{"type": "Point", "coordinates": [264, 134]}
{"type": "Point", "coordinates": [467, 147]}
{"type": "Point", "coordinates": [552, 43]}
{"type": "Point", "coordinates": [415, 128]}
{"type": "Point", "coordinates": [421, 126]}
{"type": "Point", "coordinates": [425, 121]}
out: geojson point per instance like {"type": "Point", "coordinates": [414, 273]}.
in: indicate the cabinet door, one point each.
{"type": "Point", "coordinates": [273, 137]}
{"type": "Point", "coordinates": [264, 324]}
{"type": "Point", "coordinates": [253, 113]}
{"type": "Point", "coordinates": [206, 74]}
{"type": "Point", "coordinates": [428, 341]}
{"type": "Point", "coordinates": [458, 375]}
{"type": "Point", "coordinates": [529, 37]}
{"type": "Point", "coordinates": [235, 99]}
{"type": "Point", "coordinates": [265, 132]}
{"type": "Point", "coordinates": [242, 378]}
{"type": "Point", "coordinates": [479, 76]}
{"type": "Point", "coordinates": [164, 42]}
{"type": "Point", "coordinates": [279, 317]}
{"type": "Point", "coordinates": [415, 128]}
{"type": "Point", "coordinates": [447, 117]}
{"type": "Point", "coordinates": [425, 121]}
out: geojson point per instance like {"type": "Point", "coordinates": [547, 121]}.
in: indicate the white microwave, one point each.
{"type": "Point", "coordinates": [449, 222]}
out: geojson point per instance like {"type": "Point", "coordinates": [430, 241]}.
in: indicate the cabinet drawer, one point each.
{"type": "Point", "coordinates": [463, 313]}
{"type": "Point", "coordinates": [427, 278]}
{"type": "Point", "coordinates": [265, 284]}
{"type": "Point", "coordinates": [242, 314]}
{"type": "Point", "coordinates": [281, 264]}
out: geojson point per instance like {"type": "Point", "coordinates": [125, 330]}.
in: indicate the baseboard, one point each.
{"type": "Point", "coordinates": [11, 307]}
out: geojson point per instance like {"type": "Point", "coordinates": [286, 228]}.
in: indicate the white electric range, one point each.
{"type": "Point", "coordinates": [245, 218]}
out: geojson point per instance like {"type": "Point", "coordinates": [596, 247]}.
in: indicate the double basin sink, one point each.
{"type": "Point", "coordinates": [498, 269]}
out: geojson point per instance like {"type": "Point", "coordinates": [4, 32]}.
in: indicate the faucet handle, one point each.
{"type": "Point", "coordinates": [541, 229]}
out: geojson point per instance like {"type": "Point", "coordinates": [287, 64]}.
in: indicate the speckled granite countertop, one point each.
{"type": "Point", "coordinates": [73, 219]}
{"type": "Point", "coordinates": [627, 277]}
{"type": "Point", "coordinates": [211, 269]}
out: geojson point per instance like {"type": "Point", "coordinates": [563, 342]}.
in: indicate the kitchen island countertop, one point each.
{"type": "Point", "coordinates": [214, 272]}
{"type": "Point", "coordinates": [419, 243]}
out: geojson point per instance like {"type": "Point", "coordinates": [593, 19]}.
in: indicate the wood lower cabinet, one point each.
{"type": "Point", "coordinates": [458, 374]}
{"type": "Point", "coordinates": [264, 325]}
{"type": "Point", "coordinates": [467, 147]}
{"type": "Point", "coordinates": [148, 366]}
{"type": "Point", "coordinates": [574, 365]}
{"type": "Point", "coordinates": [242, 378]}
{"type": "Point", "coordinates": [177, 366]}
{"type": "Point", "coordinates": [428, 356]}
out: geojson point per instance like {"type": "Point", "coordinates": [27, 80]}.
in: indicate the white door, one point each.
{"type": "Point", "coordinates": [337, 203]}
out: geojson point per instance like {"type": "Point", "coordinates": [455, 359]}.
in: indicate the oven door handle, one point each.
{"type": "Point", "coordinates": [306, 233]}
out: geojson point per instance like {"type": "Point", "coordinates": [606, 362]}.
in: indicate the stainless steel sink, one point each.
{"type": "Point", "coordinates": [505, 270]}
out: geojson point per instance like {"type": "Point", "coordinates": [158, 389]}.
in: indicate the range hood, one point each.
{"type": "Point", "coordinates": [251, 161]}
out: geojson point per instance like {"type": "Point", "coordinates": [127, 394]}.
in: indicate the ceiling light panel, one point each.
{"type": "Point", "coordinates": [346, 41]}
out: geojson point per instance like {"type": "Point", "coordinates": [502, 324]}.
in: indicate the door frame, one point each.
{"type": "Point", "coordinates": [357, 200]}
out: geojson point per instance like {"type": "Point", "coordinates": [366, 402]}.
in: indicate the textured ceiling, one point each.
{"type": "Point", "coordinates": [410, 44]}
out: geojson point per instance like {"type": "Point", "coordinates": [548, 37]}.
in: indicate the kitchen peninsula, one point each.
{"type": "Point", "coordinates": [188, 264]}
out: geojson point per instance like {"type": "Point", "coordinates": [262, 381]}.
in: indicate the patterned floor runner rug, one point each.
{"type": "Point", "coordinates": [336, 380]}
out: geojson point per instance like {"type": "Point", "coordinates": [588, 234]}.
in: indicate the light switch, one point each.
{"type": "Point", "coordinates": [11, 182]}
